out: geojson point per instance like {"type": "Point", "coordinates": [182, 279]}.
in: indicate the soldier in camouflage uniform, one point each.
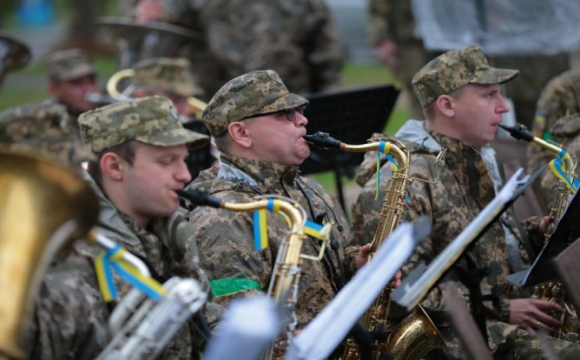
{"type": "Point", "coordinates": [70, 78]}
{"type": "Point", "coordinates": [174, 79]}
{"type": "Point", "coordinates": [258, 126]}
{"type": "Point", "coordinates": [560, 97]}
{"type": "Point", "coordinates": [297, 38]}
{"type": "Point", "coordinates": [139, 148]}
{"type": "Point", "coordinates": [565, 131]}
{"type": "Point", "coordinates": [456, 175]}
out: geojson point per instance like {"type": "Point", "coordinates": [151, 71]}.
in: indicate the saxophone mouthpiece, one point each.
{"type": "Point", "coordinates": [519, 132]}
{"type": "Point", "coordinates": [323, 140]}
{"type": "Point", "coordinates": [200, 197]}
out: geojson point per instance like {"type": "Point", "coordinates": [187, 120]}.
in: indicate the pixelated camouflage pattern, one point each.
{"type": "Point", "coordinates": [254, 93]}
{"type": "Point", "coordinates": [392, 20]}
{"type": "Point", "coordinates": [445, 196]}
{"type": "Point", "coordinates": [151, 120]}
{"type": "Point", "coordinates": [455, 69]}
{"type": "Point", "coordinates": [45, 128]}
{"type": "Point", "coordinates": [229, 235]}
{"type": "Point", "coordinates": [68, 65]}
{"type": "Point", "coordinates": [297, 38]}
{"type": "Point", "coordinates": [172, 76]}
{"type": "Point", "coordinates": [565, 131]}
{"type": "Point", "coordinates": [560, 97]}
{"type": "Point", "coordinates": [71, 316]}
{"type": "Point", "coordinates": [163, 246]}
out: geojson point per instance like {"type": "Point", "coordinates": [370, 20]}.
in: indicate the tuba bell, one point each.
{"type": "Point", "coordinates": [31, 186]}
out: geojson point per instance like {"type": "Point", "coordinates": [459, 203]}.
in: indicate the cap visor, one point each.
{"type": "Point", "coordinates": [79, 71]}
{"type": "Point", "coordinates": [289, 101]}
{"type": "Point", "coordinates": [179, 136]}
{"type": "Point", "coordinates": [495, 76]}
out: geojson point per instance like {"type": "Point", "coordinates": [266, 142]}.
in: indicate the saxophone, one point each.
{"type": "Point", "coordinates": [553, 290]}
{"type": "Point", "coordinates": [416, 335]}
{"type": "Point", "coordinates": [283, 287]}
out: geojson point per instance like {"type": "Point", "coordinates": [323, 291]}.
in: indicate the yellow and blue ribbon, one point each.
{"type": "Point", "coordinates": [384, 148]}
{"type": "Point", "coordinates": [261, 228]}
{"type": "Point", "coordinates": [113, 259]}
{"type": "Point", "coordinates": [558, 167]}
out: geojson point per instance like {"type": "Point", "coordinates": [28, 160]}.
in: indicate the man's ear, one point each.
{"type": "Point", "coordinates": [112, 166]}
{"type": "Point", "coordinates": [445, 104]}
{"type": "Point", "coordinates": [240, 134]}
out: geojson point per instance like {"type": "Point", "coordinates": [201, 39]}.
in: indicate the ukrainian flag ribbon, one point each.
{"type": "Point", "coordinates": [384, 148]}
{"type": "Point", "coordinates": [113, 259]}
{"type": "Point", "coordinates": [261, 228]}
{"type": "Point", "coordinates": [558, 167]}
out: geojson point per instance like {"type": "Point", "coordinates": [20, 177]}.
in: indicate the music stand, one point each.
{"type": "Point", "coordinates": [566, 233]}
{"type": "Point", "coordinates": [351, 116]}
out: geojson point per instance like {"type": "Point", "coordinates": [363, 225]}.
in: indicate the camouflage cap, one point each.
{"type": "Point", "coordinates": [152, 120]}
{"type": "Point", "coordinates": [455, 69]}
{"type": "Point", "coordinates": [255, 93]}
{"type": "Point", "coordinates": [170, 75]}
{"type": "Point", "coordinates": [44, 128]}
{"type": "Point", "coordinates": [68, 65]}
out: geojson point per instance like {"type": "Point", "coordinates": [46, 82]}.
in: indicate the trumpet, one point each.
{"type": "Point", "coordinates": [416, 334]}
{"type": "Point", "coordinates": [283, 287]}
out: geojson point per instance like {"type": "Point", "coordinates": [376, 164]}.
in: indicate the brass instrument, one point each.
{"type": "Point", "coordinates": [283, 287]}
{"type": "Point", "coordinates": [554, 291]}
{"type": "Point", "coordinates": [196, 106]}
{"type": "Point", "coordinates": [416, 334]}
{"type": "Point", "coordinates": [39, 214]}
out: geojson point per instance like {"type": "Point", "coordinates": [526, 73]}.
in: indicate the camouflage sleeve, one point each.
{"type": "Point", "coordinates": [378, 26]}
{"type": "Point", "coordinates": [325, 53]}
{"type": "Point", "coordinates": [560, 97]}
{"type": "Point", "coordinates": [70, 316]}
{"type": "Point", "coordinates": [225, 244]}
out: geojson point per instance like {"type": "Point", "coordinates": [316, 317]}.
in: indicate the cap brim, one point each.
{"type": "Point", "coordinates": [290, 101]}
{"type": "Point", "coordinates": [179, 136]}
{"type": "Point", "coordinates": [495, 76]}
{"type": "Point", "coordinates": [78, 72]}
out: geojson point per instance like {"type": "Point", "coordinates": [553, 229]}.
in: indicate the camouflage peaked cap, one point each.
{"type": "Point", "coordinates": [151, 120]}
{"type": "Point", "coordinates": [68, 65]}
{"type": "Point", "coordinates": [43, 127]}
{"type": "Point", "coordinates": [455, 69]}
{"type": "Point", "coordinates": [255, 93]}
{"type": "Point", "coordinates": [173, 76]}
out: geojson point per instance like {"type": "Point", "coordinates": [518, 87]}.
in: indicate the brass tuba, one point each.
{"type": "Point", "coordinates": [284, 284]}
{"type": "Point", "coordinates": [416, 335]}
{"type": "Point", "coordinates": [43, 207]}
{"type": "Point", "coordinates": [554, 291]}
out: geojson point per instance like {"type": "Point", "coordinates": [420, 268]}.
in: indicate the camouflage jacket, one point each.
{"type": "Point", "coordinates": [70, 319]}
{"type": "Point", "coordinates": [162, 248]}
{"type": "Point", "coordinates": [226, 240]}
{"type": "Point", "coordinates": [452, 199]}
{"type": "Point", "coordinates": [560, 97]}
{"type": "Point", "coordinates": [565, 131]}
{"type": "Point", "coordinates": [391, 19]}
{"type": "Point", "coordinates": [297, 38]}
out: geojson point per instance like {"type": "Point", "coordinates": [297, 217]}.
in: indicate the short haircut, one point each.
{"type": "Point", "coordinates": [223, 142]}
{"type": "Point", "coordinates": [126, 151]}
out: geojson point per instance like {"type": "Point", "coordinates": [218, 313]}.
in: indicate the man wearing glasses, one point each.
{"type": "Point", "coordinates": [259, 126]}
